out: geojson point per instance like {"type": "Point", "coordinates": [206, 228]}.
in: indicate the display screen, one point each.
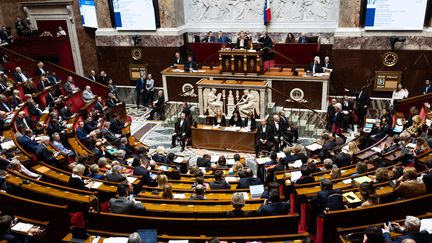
{"type": "Point", "coordinates": [88, 13]}
{"type": "Point", "coordinates": [134, 14]}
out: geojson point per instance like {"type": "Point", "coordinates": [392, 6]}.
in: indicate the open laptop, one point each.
{"type": "Point", "coordinates": [148, 235]}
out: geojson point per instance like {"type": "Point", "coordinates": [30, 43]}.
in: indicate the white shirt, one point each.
{"type": "Point", "coordinates": [23, 77]}
{"type": "Point", "coordinates": [399, 95]}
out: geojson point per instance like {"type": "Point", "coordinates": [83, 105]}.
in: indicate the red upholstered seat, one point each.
{"type": "Point", "coordinates": [79, 119]}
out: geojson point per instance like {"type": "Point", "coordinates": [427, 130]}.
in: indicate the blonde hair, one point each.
{"type": "Point", "coordinates": [381, 174]}
{"type": "Point", "coordinates": [335, 173]}
{"type": "Point", "coordinates": [238, 200]}
{"type": "Point", "coordinates": [237, 166]}
{"type": "Point", "coordinates": [167, 192]}
{"type": "Point", "coordinates": [352, 148]}
{"type": "Point", "coordinates": [162, 180]}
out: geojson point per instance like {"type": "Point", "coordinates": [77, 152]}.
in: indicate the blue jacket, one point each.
{"type": "Point", "coordinates": [140, 84]}
{"type": "Point", "coordinates": [28, 143]}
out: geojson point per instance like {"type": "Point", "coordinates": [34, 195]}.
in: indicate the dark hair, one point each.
{"type": "Point", "coordinates": [218, 175]}
{"type": "Point", "coordinates": [374, 235]}
{"type": "Point", "coordinates": [248, 172]}
{"type": "Point", "coordinates": [222, 160]}
{"type": "Point", "coordinates": [429, 163]}
{"type": "Point", "coordinates": [305, 171]}
{"type": "Point", "coordinates": [136, 161]}
{"type": "Point", "coordinates": [237, 157]}
{"type": "Point", "coordinates": [170, 157]}
{"type": "Point", "coordinates": [273, 156]}
{"type": "Point", "coordinates": [199, 180]}
{"type": "Point", "coordinates": [5, 223]}
{"type": "Point", "coordinates": [199, 173]}
{"type": "Point", "coordinates": [361, 167]}
{"type": "Point", "coordinates": [175, 175]}
{"type": "Point", "coordinates": [122, 190]}
{"type": "Point", "coordinates": [274, 195]}
{"type": "Point", "coordinates": [214, 240]}
{"type": "Point", "coordinates": [273, 185]}
{"type": "Point", "coordinates": [366, 189]}
{"type": "Point", "coordinates": [326, 184]}
{"type": "Point", "coordinates": [241, 173]}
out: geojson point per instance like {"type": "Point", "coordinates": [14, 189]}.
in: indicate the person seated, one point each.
{"type": "Point", "coordinates": [161, 180]}
{"type": "Point", "coordinates": [16, 166]}
{"type": "Point", "coordinates": [141, 170]}
{"type": "Point", "coordinates": [219, 182]}
{"type": "Point", "coordinates": [373, 234]}
{"type": "Point", "coordinates": [4, 106]}
{"type": "Point", "coordinates": [190, 64]}
{"type": "Point", "coordinates": [20, 76]}
{"type": "Point", "coordinates": [43, 83]}
{"type": "Point", "coordinates": [327, 64]}
{"type": "Point", "coordinates": [76, 181]}
{"type": "Point", "coordinates": [167, 192]}
{"type": "Point", "coordinates": [111, 101]}
{"type": "Point", "coordinates": [248, 179]}
{"type": "Point", "coordinates": [249, 122]}
{"type": "Point", "coordinates": [44, 154]}
{"type": "Point", "coordinates": [222, 38]}
{"type": "Point", "coordinates": [427, 177]}
{"type": "Point", "coordinates": [328, 143]}
{"type": "Point", "coordinates": [303, 39]}
{"type": "Point", "coordinates": [290, 38]}
{"type": "Point", "coordinates": [411, 231]}
{"type": "Point", "coordinates": [181, 132]}
{"type": "Point", "coordinates": [421, 148]}
{"type": "Point", "coordinates": [381, 175]}
{"type": "Point", "coordinates": [7, 235]}
{"type": "Point", "coordinates": [159, 155]}
{"type": "Point", "coordinates": [368, 194]}
{"type": "Point", "coordinates": [69, 87]}
{"type": "Point", "coordinates": [119, 156]}
{"type": "Point", "coordinates": [335, 173]}
{"type": "Point", "coordinates": [242, 41]}
{"type": "Point", "coordinates": [33, 109]}
{"type": "Point", "coordinates": [209, 38]}
{"type": "Point", "coordinates": [115, 175]}
{"type": "Point", "coordinates": [66, 112]}
{"type": "Point", "coordinates": [27, 141]}
{"type": "Point", "coordinates": [315, 67]}
{"type": "Point", "coordinates": [157, 105]}
{"type": "Point", "coordinates": [112, 138]}
{"type": "Point", "coordinates": [112, 88]}
{"type": "Point", "coordinates": [305, 177]}
{"type": "Point", "coordinates": [407, 186]}
{"type": "Point", "coordinates": [219, 119]}
{"type": "Point", "coordinates": [298, 154]}
{"type": "Point", "coordinates": [94, 172]}
{"type": "Point", "coordinates": [361, 168]}
{"type": "Point", "coordinates": [87, 94]}
{"type": "Point", "coordinates": [103, 78]}
{"type": "Point", "coordinates": [177, 60]}
{"type": "Point", "coordinates": [15, 99]}
{"type": "Point", "coordinates": [221, 163]}
{"type": "Point", "coordinates": [117, 125]}
{"type": "Point", "coordinates": [265, 138]}
{"type": "Point", "coordinates": [238, 202]}
{"type": "Point", "coordinates": [204, 161]}
{"type": "Point", "coordinates": [123, 204]}
{"type": "Point", "coordinates": [236, 120]}
{"type": "Point", "coordinates": [198, 194]}
{"type": "Point", "coordinates": [271, 185]}
{"type": "Point", "coordinates": [341, 158]}
{"type": "Point", "coordinates": [274, 206]}
{"type": "Point", "coordinates": [327, 198]}
{"type": "Point", "coordinates": [25, 121]}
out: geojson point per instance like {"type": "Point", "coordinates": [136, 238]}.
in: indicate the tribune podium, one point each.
{"type": "Point", "coordinates": [240, 61]}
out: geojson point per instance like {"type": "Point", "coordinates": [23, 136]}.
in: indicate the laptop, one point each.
{"type": "Point", "coordinates": [256, 191]}
{"type": "Point", "coordinates": [148, 235]}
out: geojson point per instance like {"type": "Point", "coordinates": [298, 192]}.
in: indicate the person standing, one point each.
{"type": "Point", "coordinates": [139, 89]}
{"type": "Point", "coordinates": [363, 102]}
{"type": "Point", "coordinates": [149, 89]}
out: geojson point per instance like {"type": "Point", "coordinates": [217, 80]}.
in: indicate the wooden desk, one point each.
{"type": "Point", "coordinates": [240, 61]}
{"type": "Point", "coordinates": [227, 196]}
{"type": "Point", "coordinates": [220, 139]}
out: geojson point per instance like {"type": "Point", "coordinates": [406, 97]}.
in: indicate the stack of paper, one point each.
{"type": "Point", "coordinates": [131, 179]}
{"type": "Point", "coordinates": [362, 179]}
{"type": "Point", "coordinates": [94, 185]}
{"type": "Point", "coordinates": [295, 175]}
{"type": "Point", "coordinates": [116, 240]}
{"type": "Point", "coordinates": [297, 164]}
{"type": "Point", "coordinates": [22, 227]}
{"type": "Point", "coordinates": [347, 181]}
{"type": "Point", "coordinates": [164, 168]}
{"type": "Point", "coordinates": [179, 196]}
{"type": "Point", "coordinates": [376, 149]}
{"type": "Point", "coordinates": [313, 147]}
{"type": "Point", "coordinates": [179, 159]}
{"type": "Point", "coordinates": [426, 224]}
{"type": "Point", "coordinates": [281, 155]}
{"type": "Point", "coordinates": [263, 160]}
{"type": "Point", "coordinates": [256, 191]}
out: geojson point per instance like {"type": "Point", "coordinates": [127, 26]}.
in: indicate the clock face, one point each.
{"type": "Point", "coordinates": [390, 59]}
{"type": "Point", "coordinates": [136, 54]}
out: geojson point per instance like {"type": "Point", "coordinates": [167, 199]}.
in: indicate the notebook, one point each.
{"type": "Point", "coordinates": [256, 191]}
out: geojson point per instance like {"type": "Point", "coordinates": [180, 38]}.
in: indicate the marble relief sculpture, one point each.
{"type": "Point", "coordinates": [214, 102]}
{"type": "Point", "coordinates": [251, 10]}
{"type": "Point", "coordinates": [247, 103]}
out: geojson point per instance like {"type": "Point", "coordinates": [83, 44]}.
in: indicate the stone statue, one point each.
{"type": "Point", "coordinates": [214, 102]}
{"type": "Point", "coordinates": [247, 103]}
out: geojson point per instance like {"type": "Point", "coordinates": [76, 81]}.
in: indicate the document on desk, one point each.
{"type": "Point", "coordinates": [362, 179]}
{"type": "Point", "coordinates": [297, 164]}
{"type": "Point", "coordinates": [116, 240]}
{"type": "Point", "coordinates": [351, 197]}
{"type": "Point", "coordinates": [245, 195]}
{"type": "Point", "coordinates": [94, 185]}
{"type": "Point", "coordinates": [230, 161]}
{"type": "Point", "coordinates": [8, 145]}
{"type": "Point", "coordinates": [263, 160]}
{"type": "Point", "coordinates": [376, 149]}
{"type": "Point", "coordinates": [426, 224]}
{"type": "Point", "coordinates": [22, 227]}
{"type": "Point", "coordinates": [256, 191]}
{"type": "Point", "coordinates": [295, 175]}
{"type": "Point", "coordinates": [347, 181]}
{"type": "Point", "coordinates": [179, 196]}
{"type": "Point", "coordinates": [314, 147]}
{"type": "Point", "coordinates": [131, 179]}
{"type": "Point", "coordinates": [281, 155]}
{"type": "Point", "coordinates": [179, 160]}
{"type": "Point", "coordinates": [164, 168]}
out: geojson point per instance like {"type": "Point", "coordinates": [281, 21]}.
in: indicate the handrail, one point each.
{"type": "Point", "coordinates": [286, 96]}
{"type": "Point", "coordinates": [280, 54]}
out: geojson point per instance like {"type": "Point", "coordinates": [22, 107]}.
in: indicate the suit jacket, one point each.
{"type": "Point", "coordinates": [110, 136]}
{"type": "Point", "coordinates": [68, 88]}
{"type": "Point", "coordinates": [44, 154]}
{"type": "Point", "coordinates": [92, 78]}
{"type": "Point", "coordinates": [328, 65]}
{"type": "Point", "coordinates": [426, 89]}
{"type": "Point", "coordinates": [185, 128]}
{"type": "Point", "coordinates": [246, 182]}
{"type": "Point", "coordinates": [303, 39]}
{"type": "Point", "coordinates": [347, 106]}
{"type": "Point", "coordinates": [41, 85]}
{"type": "Point", "coordinates": [90, 126]}
{"type": "Point", "coordinates": [267, 134]}
{"type": "Point", "coordinates": [201, 162]}
{"type": "Point", "coordinates": [53, 79]}
{"type": "Point", "coordinates": [177, 61]}
{"type": "Point", "coordinates": [190, 65]}
{"type": "Point", "coordinates": [103, 80]}
{"type": "Point", "coordinates": [82, 134]}
{"type": "Point", "coordinates": [160, 101]}
{"type": "Point", "coordinates": [342, 159]}
{"type": "Point", "coordinates": [208, 39]}
{"type": "Point", "coordinates": [322, 200]}
{"type": "Point", "coordinates": [28, 144]}
{"type": "Point", "coordinates": [427, 180]}
{"type": "Point", "coordinates": [140, 83]}
{"type": "Point", "coordinates": [222, 123]}
{"type": "Point", "coordinates": [34, 111]}
{"type": "Point", "coordinates": [125, 206]}
{"type": "Point", "coordinates": [116, 126]}
{"type": "Point", "coordinates": [15, 101]}
{"type": "Point", "coordinates": [18, 78]}
{"type": "Point", "coordinates": [54, 127]}
{"type": "Point", "coordinates": [318, 68]}
{"type": "Point", "coordinates": [238, 123]}
{"type": "Point", "coordinates": [66, 113]}
{"type": "Point", "coordinates": [110, 102]}
{"type": "Point", "coordinates": [409, 189]}
{"type": "Point", "coordinates": [223, 39]}
{"type": "Point", "coordinates": [215, 185]}
{"type": "Point", "coordinates": [305, 180]}
{"type": "Point", "coordinates": [30, 122]}
{"type": "Point", "coordinates": [77, 183]}
{"type": "Point", "coordinates": [245, 44]}
{"type": "Point", "coordinates": [99, 107]}
{"type": "Point", "coordinates": [50, 100]}
{"type": "Point", "coordinates": [144, 173]}
{"type": "Point", "coordinates": [39, 72]}
{"type": "Point", "coordinates": [274, 209]}
{"type": "Point", "coordinates": [115, 177]}
{"type": "Point", "coordinates": [328, 145]}
{"type": "Point", "coordinates": [253, 123]}
{"type": "Point", "coordinates": [280, 131]}
{"type": "Point", "coordinates": [362, 99]}
{"type": "Point", "coordinates": [4, 106]}
{"type": "Point", "coordinates": [420, 237]}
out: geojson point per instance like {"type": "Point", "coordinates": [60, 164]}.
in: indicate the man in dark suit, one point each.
{"type": "Point", "coordinates": [266, 42]}
{"type": "Point", "coordinates": [117, 125]}
{"type": "Point", "coordinates": [103, 78]}
{"type": "Point", "coordinates": [327, 64]}
{"type": "Point", "coordinates": [274, 206]}
{"type": "Point", "coordinates": [265, 137]}
{"type": "Point", "coordinates": [4, 106]}
{"type": "Point", "coordinates": [99, 105]}
{"type": "Point", "coordinates": [111, 137]}
{"type": "Point", "coordinates": [28, 142]}
{"type": "Point", "coordinates": [222, 38]}
{"type": "Point", "coordinates": [181, 132]}
{"type": "Point", "coordinates": [280, 133]}
{"type": "Point", "coordinates": [248, 180]}
{"type": "Point", "coordinates": [303, 38]}
{"type": "Point", "coordinates": [40, 69]}
{"type": "Point", "coordinates": [315, 67]}
{"type": "Point", "coordinates": [291, 128]}
{"type": "Point", "coordinates": [348, 113]}
{"type": "Point", "coordinates": [327, 198]}
{"type": "Point", "coordinates": [142, 171]}
{"type": "Point", "coordinates": [140, 89]}
{"type": "Point", "coordinates": [157, 105]}
{"type": "Point", "coordinates": [305, 177]}
{"type": "Point", "coordinates": [42, 83]}
{"type": "Point", "coordinates": [190, 64]}
{"type": "Point", "coordinates": [122, 204]}
{"type": "Point", "coordinates": [81, 133]}
{"type": "Point", "coordinates": [111, 101]}
{"type": "Point", "coordinates": [363, 102]}
{"type": "Point", "coordinates": [52, 77]}
{"type": "Point", "coordinates": [204, 161]}
{"type": "Point", "coordinates": [92, 75]}
{"type": "Point", "coordinates": [20, 76]}
{"type": "Point", "coordinates": [427, 178]}
{"type": "Point", "coordinates": [50, 99]}
{"type": "Point", "coordinates": [328, 144]}
{"type": "Point", "coordinates": [23, 121]}
{"type": "Point", "coordinates": [66, 112]}
{"type": "Point", "coordinates": [177, 60]}
{"type": "Point", "coordinates": [219, 182]}
{"type": "Point", "coordinates": [341, 159]}
{"type": "Point", "coordinates": [427, 88]}
{"type": "Point", "coordinates": [44, 154]}
{"type": "Point", "coordinates": [209, 37]}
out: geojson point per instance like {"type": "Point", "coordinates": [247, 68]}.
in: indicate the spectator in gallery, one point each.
{"type": "Point", "coordinates": [399, 93]}
{"type": "Point", "coordinates": [222, 38]}
{"type": "Point", "coordinates": [315, 67]}
{"type": "Point", "coordinates": [103, 78]}
{"type": "Point", "coordinates": [92, 75]}
{"type": "Point", "coordinates": [61, 32]}
{"type": "Point", "coordinates": [303, 38]}
{"type": "Point", "coordinates": [70, 87]}
{"type": "Point", "coordinates": [5, 36]}
{"type": "Point", "coordinates": [242, 42]}
{"type": "Point", "coordinates": [290, 38]}
{"type": "Point", "coordinates": [427, 88]}
{"type": "Point", "coordinates": [112, 88]}
{"type": "Point", "coordinates": [177, 60]}
{"type": "Point", "coordinates": [140, 89]}
{"type": "Point", "coordinates": [20, 76]}
{"type": "Point", "coordinates": [209, 37]}
{"type": "Point", "coordinates": [190, 64]}
{"type": "Point", "coordinates": [149, 86]}
{"type": "Point", "coordinates": [88, 94]}
{"type": "Point", "coordinates": [327, 64]}
{"type": "Point", "coordinates": [40, 70]}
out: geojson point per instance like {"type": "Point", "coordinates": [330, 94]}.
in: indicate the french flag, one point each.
{"type": "Point", "coordinates": [267, 12]}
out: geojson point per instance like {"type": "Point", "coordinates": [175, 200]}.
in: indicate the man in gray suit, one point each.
{"type": "Point", "coordinates": [122, 204]}
{"type": "Point", "coordinates": [149, 86]}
